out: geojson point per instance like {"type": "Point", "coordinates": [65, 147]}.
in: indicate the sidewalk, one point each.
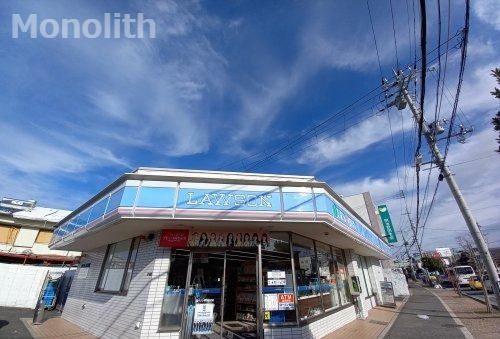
{"type": "Point", "coordinates": [372, 327]}
{"type": "Point", "coordinates": [425, 316]}
{"type": "Point", "coordinates": [56, 328]}
{"type": "Point", "coordinates": [472, 313]}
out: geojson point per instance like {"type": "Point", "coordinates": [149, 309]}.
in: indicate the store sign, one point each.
{"type": "Point", "coordinates": [224, 199]}
{"type": "Point", "coordinates": [444, 252]}
{"type": "Point", "coordinates": [174, 238]}
{"type": "Point", "coordinates": [286, 301]}
{"type": "Point", "coordinates": [227, 239]}
{"type": "Point", "coordinates": [276, 282]}
{"type": "Point", "coordinates": [276, 278]}
{"type": "Point", "coordinates": [17, 204]}
{"type": "Point", "coordinates": [83, 271]}
{"type": "Point", "coordinates": [203, 318]}
{"type": "Point", "coordinates": [386, 221]}
{"type": "Point", "coordinates": [387, 294]}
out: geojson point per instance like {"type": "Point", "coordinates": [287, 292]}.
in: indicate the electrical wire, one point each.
{"type": "Point", "coordinates": [394, 34]}
{"type": "Point", "coordinates": [374, 39]}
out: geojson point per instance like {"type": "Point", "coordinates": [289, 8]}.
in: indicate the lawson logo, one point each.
{"type": "Point", "coordinates": [229, 199]}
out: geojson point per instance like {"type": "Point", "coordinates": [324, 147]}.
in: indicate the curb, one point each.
{"type": "Point", "coordinates": [480, 300]}
{"type": "Point", "coordinates": [393, 320]}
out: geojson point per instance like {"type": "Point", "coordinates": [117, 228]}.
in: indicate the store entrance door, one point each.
{"type": "Point", "coordinates": [240, 295]}
{"type": "Point", "coordinates": [222, 299]}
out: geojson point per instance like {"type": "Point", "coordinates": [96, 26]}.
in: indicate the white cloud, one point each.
{"type": "Point", "coordinates": [479, 181]}
{"type": "Point", "coordinates": [487, 11]}
{"type": "Point", "coordinates": [323, 43]}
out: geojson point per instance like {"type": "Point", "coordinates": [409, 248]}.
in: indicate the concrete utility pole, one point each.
{"type": "Point", "coordinates": [402, 81]}
{"type": "Point", "coordinates": [413, 276]}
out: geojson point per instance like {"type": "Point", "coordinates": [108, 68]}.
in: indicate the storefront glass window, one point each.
{"type": "Point", "coordinates": [173, 297]}
{"type": "Point", "coordinates": [278, 242]}
{"type": "Point", "coordinates": [308, 288]}
{"type": "Point", "coordinates": [367, 276]}
{"type": "Point", "coordinates": [327, 273]}
{"type": "Point", "coordinates": [342, 282]}
{"type": "Point", "coordinates": [117, 267]}
{"type": "Point", "coordinates": [277, 287]}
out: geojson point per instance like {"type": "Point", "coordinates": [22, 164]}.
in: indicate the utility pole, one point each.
{"type": "Point", "coordinates": [402, 82]}
{"type": "Point", "coordinates": [413, 276]}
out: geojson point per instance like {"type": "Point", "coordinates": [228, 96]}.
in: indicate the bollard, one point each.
{"type": "Point", "coordinates": [39, 312]}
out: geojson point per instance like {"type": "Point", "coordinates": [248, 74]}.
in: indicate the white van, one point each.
{"type": "Point", "coordinates": [462, 274]}
{"type": "Point", "coordinates": [487, 283]}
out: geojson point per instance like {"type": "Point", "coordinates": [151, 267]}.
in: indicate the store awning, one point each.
{"type": "Point", "coordinates": [149, 200]}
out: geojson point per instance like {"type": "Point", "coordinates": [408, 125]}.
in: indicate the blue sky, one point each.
{"type": "Point", "coordinates": [225, 80]}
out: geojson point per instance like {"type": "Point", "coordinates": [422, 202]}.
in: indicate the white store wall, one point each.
{"type": "Point", "coordinates": [20, 285]}
{"type": "Point", "coordinates": [110, 315]}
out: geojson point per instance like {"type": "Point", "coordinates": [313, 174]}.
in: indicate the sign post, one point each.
{"type": "Point", "coordinates": [386, 221]}
{"type": "Point", "coordinates": [387, 296]}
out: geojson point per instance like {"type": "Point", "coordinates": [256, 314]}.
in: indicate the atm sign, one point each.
{"type": "Point", "coordinates": [286, 301]}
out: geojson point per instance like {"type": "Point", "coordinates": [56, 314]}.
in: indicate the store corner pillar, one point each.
{"type": "Point", "coordinates": [354, 271]}
{"type": "Point", "coordinates": [376, 276]}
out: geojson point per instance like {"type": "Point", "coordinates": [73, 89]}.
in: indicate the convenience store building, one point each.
{"type": "Point", "coordinates": [181, 253]}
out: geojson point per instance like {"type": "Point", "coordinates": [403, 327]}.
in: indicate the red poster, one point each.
{"type": "Point", "coordinates": [286, 301]}
{"type": "Point", "coordinates": [174, 238]}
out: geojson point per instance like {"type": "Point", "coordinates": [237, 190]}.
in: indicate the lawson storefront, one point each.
{"type": "Point", "coordinates": [176, 253]}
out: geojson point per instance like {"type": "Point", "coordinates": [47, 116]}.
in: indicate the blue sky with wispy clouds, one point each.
{"type": "Point", "coordinates": [225, 80]}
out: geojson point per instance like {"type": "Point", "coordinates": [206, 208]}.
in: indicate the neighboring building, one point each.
{"type": "Point", "coordinates": [363, 205]}
{"type": "Point", "coordinates": [25, 233]}
{"type": "Point", "coordinates": [169, 253]}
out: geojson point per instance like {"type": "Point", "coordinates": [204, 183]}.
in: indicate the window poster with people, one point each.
{"type": "Point", "coordinates": [227, 239]}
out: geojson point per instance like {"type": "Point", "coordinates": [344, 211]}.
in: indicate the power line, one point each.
{"type": "Point", "coordinates": [463, 58]}
{"type": "Point", "coordinates": [374, 39]}
{"type": "Point", "coordinates": [394, 33]}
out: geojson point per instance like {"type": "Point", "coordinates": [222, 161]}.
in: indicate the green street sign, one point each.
{"type": "Point", "coordinates": [386, 221]}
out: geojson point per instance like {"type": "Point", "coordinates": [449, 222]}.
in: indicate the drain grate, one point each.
{"type": "Point", "coordinates": [378, 322]}
{"type": "Point", "coordinates": [452, 325]}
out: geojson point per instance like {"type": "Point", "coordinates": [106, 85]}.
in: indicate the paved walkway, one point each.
{"type": "Point", "coordinates": [425, 316]}
{"type": "Point", "coordinates": [56, 328]}
{"type": "Point", "coordinates": [371, 327]}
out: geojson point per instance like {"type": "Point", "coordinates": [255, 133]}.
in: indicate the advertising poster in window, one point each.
{"type": "Point", "coordinates": [203, 318]}
{"type": "Point", "coordinates": [305, 264]}
{"type": "Point", "coordinates": [271, 302]}
{"type": "Point", "coordinates": [202, 238]}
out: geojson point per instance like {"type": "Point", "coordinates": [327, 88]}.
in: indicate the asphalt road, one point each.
{"type": "Point", "coordinates": [424, 316]}
{"type": "Point", "coordinates": [10, 324]}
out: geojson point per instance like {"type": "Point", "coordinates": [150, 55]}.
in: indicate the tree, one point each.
{"type": "Point", "coordinates": [496, 93]}
{"type": "Point", "coordinates": [464, 259]}
{"type": "Point", "coordinates": [432, 264]}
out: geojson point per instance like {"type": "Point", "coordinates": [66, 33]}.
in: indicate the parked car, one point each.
{"type": "Point", "coordinates": [444, 281]}
{"type": "Point", "coordinates": [487, 283]}
{"type": "Point", "coordinates": [474, 283]}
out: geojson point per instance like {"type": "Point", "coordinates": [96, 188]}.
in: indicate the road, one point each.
{"type": "Point", "coordinates": [10, 324]}
{"type": "Point", "coordinates": [424, 316]}
{"type": "Point", "coordinates": [478, 295]}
